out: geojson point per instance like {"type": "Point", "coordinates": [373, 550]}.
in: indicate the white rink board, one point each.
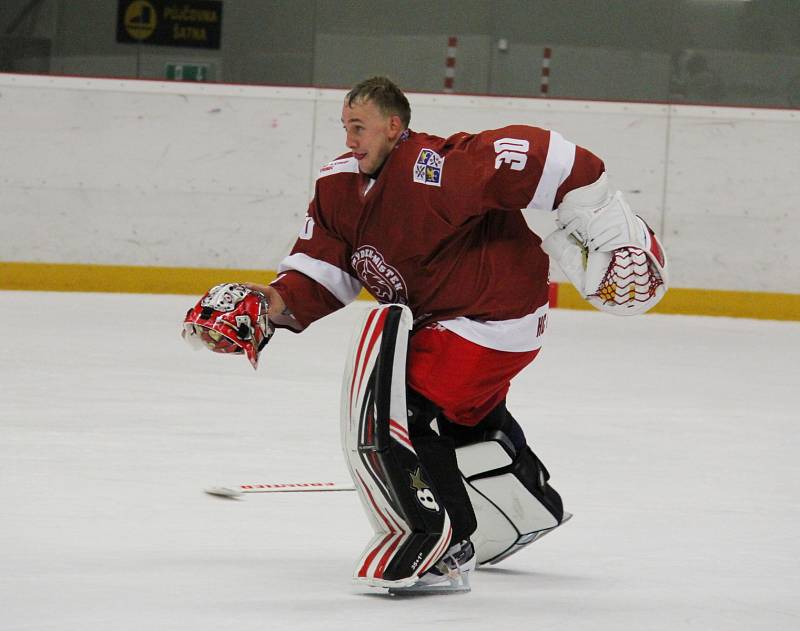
{"type": "Point", "coordinates": [737, 227]}
{"type": "Point", "coordinates": [166, 174]}
{"type": "Point", "coordinates": [137, 173]}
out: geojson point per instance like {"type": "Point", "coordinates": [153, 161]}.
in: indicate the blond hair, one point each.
{"type": "Point", "coordinates": [384, 93]}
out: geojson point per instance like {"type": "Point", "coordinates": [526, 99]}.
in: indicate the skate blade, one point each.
{"type": "Point", "coordinates": [458, 586]}
{"type": "Point", "coordinates": [429, 590]}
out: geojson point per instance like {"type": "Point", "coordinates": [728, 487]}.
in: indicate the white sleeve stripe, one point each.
{"type": "Point", "coordinates": [335, 280]}
{"type": "Point", "coordinates": [557, 167]}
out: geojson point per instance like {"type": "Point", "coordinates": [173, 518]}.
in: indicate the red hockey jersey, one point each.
{"type": "Point", "coordinates": [440, 229]}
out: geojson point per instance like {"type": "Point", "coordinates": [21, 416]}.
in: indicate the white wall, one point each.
{"type": "Point", "coordinates": [149, 173]}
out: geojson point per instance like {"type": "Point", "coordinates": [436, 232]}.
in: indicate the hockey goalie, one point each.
{"type": "Point", "coordinates": [432, 228]}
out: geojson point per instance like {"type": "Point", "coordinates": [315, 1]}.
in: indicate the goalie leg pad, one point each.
{"type": "Point", "coordinates": [411, 525]}
{"type": "Point", "coordinates": [513, 502]}
{"type": "Point", "coordinates": [438, 457]}
{"type": "Point", "coordinates": [508, 487]}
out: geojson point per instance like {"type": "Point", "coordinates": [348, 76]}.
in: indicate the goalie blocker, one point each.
{"type": "Point", "coordinates": [407, 476]}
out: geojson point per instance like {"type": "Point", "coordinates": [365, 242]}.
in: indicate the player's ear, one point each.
{"type": "Point", "coordinates": [395, 126]}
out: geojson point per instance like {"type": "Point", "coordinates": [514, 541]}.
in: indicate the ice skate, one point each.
{"type": "Point", "coordinates": [450, 574]}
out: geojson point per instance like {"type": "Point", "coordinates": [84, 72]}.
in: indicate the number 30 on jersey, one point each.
{"type": "Point", "coordinates": [512, 152]}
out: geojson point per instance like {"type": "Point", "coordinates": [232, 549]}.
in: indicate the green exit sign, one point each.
{"type": "Point", "coordinates": [189, 72]}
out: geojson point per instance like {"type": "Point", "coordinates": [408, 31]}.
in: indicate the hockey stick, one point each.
{"type": "Point", "coordinates": [290, 487]}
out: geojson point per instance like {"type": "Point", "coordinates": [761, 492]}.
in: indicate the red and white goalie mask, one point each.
{"type": "Point", "coordinates": [230, 318]}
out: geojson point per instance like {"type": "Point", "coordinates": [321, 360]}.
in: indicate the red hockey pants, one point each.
{"type": "Point", "coordinates": [463, 378]}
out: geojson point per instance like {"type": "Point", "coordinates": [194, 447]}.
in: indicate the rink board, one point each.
{"type": "Point", "coordinates": [158, 174]}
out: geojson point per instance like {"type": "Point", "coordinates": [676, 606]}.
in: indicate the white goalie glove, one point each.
{"type": "Point", "coordinates": [611, 255]}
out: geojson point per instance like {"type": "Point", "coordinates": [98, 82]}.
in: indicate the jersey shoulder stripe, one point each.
{"type": "Point", "coordinates": [340, 165]}
{"type": "Point", "coordinates": [557, 167]}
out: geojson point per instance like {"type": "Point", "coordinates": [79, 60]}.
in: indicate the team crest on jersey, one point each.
{"type": "Point", "coordinates": [381, 279]}
{"type": "Point", "coordinates": [428, 168]}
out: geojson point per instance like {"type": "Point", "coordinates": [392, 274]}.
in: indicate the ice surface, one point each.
{"type": "Point", "coordinates": [674, 440]}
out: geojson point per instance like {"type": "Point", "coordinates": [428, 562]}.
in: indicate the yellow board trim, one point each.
{"type": "Point", "coordinates": [126, 279]}
{"type": "Point", "coordinates": [195, 281]}
{"type": "Point", "coordinates": [707, 302]}
{"type": "Point", "coordinates": [129, 279]}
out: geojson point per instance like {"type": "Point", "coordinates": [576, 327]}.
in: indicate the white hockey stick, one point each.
{"type": "Point", "coordinates": [289, 487]}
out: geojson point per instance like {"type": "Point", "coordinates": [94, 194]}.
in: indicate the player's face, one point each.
{"type": "Point", "coordinates": [371, 135]}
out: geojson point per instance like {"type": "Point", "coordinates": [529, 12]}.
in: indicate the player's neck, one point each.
{"type": "Point", "coordinates": [374, 175]}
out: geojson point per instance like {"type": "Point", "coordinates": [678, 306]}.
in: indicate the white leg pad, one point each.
{"type": "Point", "coordinates": [411, 526]}
{"type": "Point", "coordinates": [509, 516]}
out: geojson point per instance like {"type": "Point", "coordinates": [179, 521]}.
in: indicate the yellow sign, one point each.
{"type": "Point", "coordinates": [185, 23]}
{"type": "Point", "coordinates": [140, 19]}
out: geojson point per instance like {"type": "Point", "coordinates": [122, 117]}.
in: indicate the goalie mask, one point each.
{"type": "Point", "coordinates": [230, 318]}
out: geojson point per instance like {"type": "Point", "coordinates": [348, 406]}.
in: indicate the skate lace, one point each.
{"type": "Point", "coordinates": [454, 559]}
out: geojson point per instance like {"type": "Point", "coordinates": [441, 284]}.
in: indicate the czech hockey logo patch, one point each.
{"type": "Point", "coordinates": [428, 168]}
